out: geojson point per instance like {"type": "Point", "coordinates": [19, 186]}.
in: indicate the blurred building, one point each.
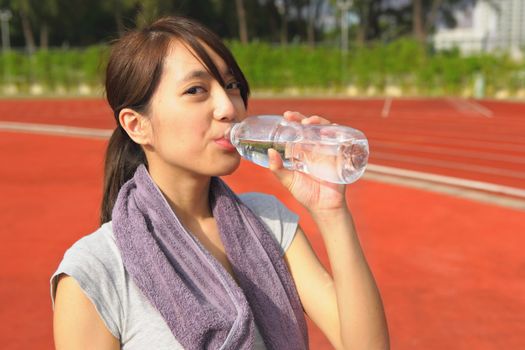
{"type": "Point", "coordinates": [490, 25]}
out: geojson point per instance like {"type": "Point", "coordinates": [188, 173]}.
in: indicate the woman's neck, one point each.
{"type": "Point", "coordinates": [187, 194]}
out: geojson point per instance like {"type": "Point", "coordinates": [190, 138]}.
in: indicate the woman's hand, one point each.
{"type": "Point", "coordinates": [314, 194]}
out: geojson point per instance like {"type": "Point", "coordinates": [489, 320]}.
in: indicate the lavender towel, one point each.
{"type": "Point", "coordinates": [202, 304]}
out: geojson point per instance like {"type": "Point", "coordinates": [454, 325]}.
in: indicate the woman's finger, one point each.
{"type": "Point", "coordinates": [293, 116]}
{"type": "Point", "coordinates": [315, 119]}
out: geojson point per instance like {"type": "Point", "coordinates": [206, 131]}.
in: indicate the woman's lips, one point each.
{"type": "Point", "coordinates": [225, 144]}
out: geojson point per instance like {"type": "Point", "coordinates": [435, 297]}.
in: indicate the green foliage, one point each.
{"type": "Point", "coordinates": [403, 63]}
{"type": "Point", "coordinates": [277, 68]}
{"type": "Point", "coordinates": [92, 63]}
{"type": "Point", "coordinates": [14, 67]}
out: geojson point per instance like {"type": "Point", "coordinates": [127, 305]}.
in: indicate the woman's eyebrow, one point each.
{"type": "Point", "coordinates": [195, 74]}
{"type": "Point", "coordinates": [203, 74]}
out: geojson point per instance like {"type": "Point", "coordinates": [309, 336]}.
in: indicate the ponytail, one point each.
{"type": "Point", "coordinates": [123, 156]}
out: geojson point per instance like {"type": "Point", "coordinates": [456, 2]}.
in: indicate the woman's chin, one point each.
{"type": "Point", "coordinates": [226, 166]}
{"type": "Point", "coordinates": [230, 168]}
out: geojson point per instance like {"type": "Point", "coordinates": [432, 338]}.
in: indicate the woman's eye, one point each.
{"type": "Point", "coordinates": [234, 85]}
{"type": "Point", "coordinates": [194, 90]}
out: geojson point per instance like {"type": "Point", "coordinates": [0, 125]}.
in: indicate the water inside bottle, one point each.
{"type": "Point", "coordinates": [257, 151]}
{"type": "Point", "coordinates": [331, 161]}
{"type": "Point", "coordinates": [337, 162]}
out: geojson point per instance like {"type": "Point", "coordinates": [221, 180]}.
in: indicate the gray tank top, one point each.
{"type": "Point", "coordinates": [95, 263]}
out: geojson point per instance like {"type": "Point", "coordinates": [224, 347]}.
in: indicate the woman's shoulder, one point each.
{"type": "Point", "coordinates": [281, 221]}
{"type": "Point", "coordinates": [95, 263]}
{"type": "Point", "coordinates": [94, 254]}
{"type": "Point", "coordinates": [263, 203]}
{"type": "Point", "coordinates": [99, 245]}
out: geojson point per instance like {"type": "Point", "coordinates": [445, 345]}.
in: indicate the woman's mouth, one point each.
{"type": "Point", "coordinates": [225, 144]}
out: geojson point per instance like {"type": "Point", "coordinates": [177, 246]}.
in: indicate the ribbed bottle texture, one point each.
{"type": "Point", "coordinates": [333, 153]}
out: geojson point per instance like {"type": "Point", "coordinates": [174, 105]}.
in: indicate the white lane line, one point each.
{"type": "Point", "coordinates": [60, 130]}
{"type": "Point", "coordinates": [450, 165]}
{"type": "Point", "coordinates": [469, 107]}
{"type": "Point", "coordinates": [386, 146]}
{"type": "Point", "coordinates": [458, 106]}
{"type": "Point", "coordinates": [484, 111]}
{"type": "Point", "coordinates": [491, 145]}
{"type": "Point", "coordinates": [386, 107]}
{"type": "Point", "coordinates": [447, 180]}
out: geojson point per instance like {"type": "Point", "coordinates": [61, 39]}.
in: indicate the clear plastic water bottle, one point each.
{"type": "Point", "coordinates": [333, 153]}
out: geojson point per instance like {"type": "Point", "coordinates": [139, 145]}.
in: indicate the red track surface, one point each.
{"type": "Point", "coordinates": [448, 137]}
{"type": "Point", "coordinates": [451, 271]}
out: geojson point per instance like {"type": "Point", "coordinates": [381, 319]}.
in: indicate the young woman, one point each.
{"type": "Point", "coordinates": [180, 262]}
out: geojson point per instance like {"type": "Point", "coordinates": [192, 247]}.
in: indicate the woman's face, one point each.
{"type": "Point", "coordinates": [189, 114]}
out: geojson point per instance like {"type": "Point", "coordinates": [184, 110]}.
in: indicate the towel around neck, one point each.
{"type": "Point", "coordinates": [199, 300]}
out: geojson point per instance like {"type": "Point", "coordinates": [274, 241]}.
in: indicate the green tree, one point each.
{"type": "Point", "coordinates": [47, 11]}
{"type": "Point", "coordinates": [387, 20]}
{"type": "Point", "coordinates": [425, 14]}
{"type": "Point", "coordinates": [314, 9]}
{"type": "Point", "coordinates": [25, 11]}
{"type": "Point", "coordinates": [241, 18]}
{"type": "Point", "coordinates": [148, 10]}
{"type": "Point", "coordinates": [119, 8]}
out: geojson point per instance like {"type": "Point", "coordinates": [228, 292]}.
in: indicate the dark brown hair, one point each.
{"type": "Point", "coordinates": [133, 74]}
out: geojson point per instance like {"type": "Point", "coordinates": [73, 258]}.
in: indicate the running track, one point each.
{"type": "Point", "coordinates": [450, 270]}
{"type": "Point", "coordinates": [482, 141]}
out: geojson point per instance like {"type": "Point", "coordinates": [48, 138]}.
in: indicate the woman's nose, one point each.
{"type": "Point", "coordinates": [224, 106]}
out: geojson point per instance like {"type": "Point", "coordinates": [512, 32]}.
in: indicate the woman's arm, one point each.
{"type": "Point", "coordinates": [347, 307]}
{"type": "Point", "coordinates": [76, 323]}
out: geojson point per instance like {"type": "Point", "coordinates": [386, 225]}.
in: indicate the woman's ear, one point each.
{"type": "Point", "coordinates": [136, 125]}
